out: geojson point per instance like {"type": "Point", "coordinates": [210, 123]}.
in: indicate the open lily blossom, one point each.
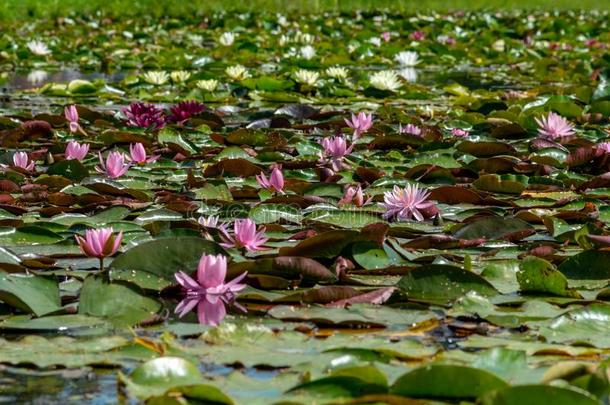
{"type": "Point", "coordinates": [406, 203]}
{"type": "Point", "coordinates": [604, 147]}
{"type": "Point", "coordinates": [144, 115]}
{"type": "Point", "coordinates": [360, 123]}
{"type": "Point", "coordinates": [114, 166]}
{"type": "Point", "coordinates": [407, 58]}
{"type": "Point", "coordinates": [245, 236]}
{"type": "Point", "coordinates": [209, 293]}
{"type": "Point", "coordinates": [38, 48]}
{"type": "Point", "coordinates": [100, 243]}
{"type": "Point", "coordinates": [459, 132]}
{"type": "Point", "coordinates": [137, 154]}
{"type": "Point", "coordinates": [275, 182]}
{"type": "Point", "coordinates": [336, 149]}
{"type": "Point", "coordinates": [76, 151]}
{"type": "Point", "coordinates": [386, 80]}
{"type": "Point", "coordinates": [184, 110]}
{"type": "Point", "coordinates": [409, 129]}
{"type": "Point", "coordinates": [22, 160]}
{"type": "Point", "coordinates": [554, 126]}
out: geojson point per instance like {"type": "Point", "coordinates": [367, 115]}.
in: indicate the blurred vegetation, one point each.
{"type": "Point", "coordinates": [33, 9]}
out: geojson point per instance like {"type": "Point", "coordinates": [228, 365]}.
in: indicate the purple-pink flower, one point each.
{"type": "Point", "coordinates": [76, 151]}
{"type": "Point", "coordinates": [409, 129]}
{"type": "Point", "coordinates": [459, 132]}
{"type": "Point", "coordinates": [604, 147]}
{"type": "Point", "coordinates": [22, 160]}
{"type": "Point", "coordinates": [275, 182]}
{"type": "Point", "coordinates": [209, 293]}
{"type": "Point", "coordinates": [417, 35]}
{"type": "Point", "coordinates": [115, 165]}
{"type": "Point", "coordinates": [137, 154]}
{"type": "Point", "coordinates": [245, 236]}
{"type": "Point", "coordinates": [406, 203]}
{"type": "Point", "coordinates": [99, 243]}
{"type": "Point", "coordinates": [182, 111]}
{"type": "Point", "coordinates": [360, 123]}
{"type": "Point", "coordinates": [144, 115]}
{"type": "Point", "coordinates": [354, 195]}
{"type": "Point", "coordinates": [71, 114]}
{"type": "Point", "coordinates": [336, 149]}
{"type": "Point", "coordinates": [386, 35]}
{"type": "Point", "coordinates": [554, 126]}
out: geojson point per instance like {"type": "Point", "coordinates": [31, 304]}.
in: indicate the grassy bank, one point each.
{"type": "Point", "coordinates": [25, 9]}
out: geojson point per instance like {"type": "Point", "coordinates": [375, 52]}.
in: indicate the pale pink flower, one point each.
{"type": "Point", "coordinates": [99, 243]}
{"type": "Point", "coordinates": [22, 160]}
{"type": "Point", "coordinates": [354, 195]}
{"type": "Point", "coordinates": [406, 203]}
{"type": "Point", "coordinates": [137, 154]}
{"type": "Point", "coordinates": [209, 292]}
{"type": "Point", "coordinates": [76, 151]}
{"type": "Point", "coordinates": [360, 123]}
{"type": "Point", "coordinates": [71, 114]}
{"type": "Point", "coordinates": [275, 182]}
{"type": "Point", "coordinates": [213, 222]}
{"type": "Point", "coordinates": [386, 36]}
{"type": "Point", "coordinates": [554, 126]}
{"type": "Point", "coordinates": [245, 236]}
{"type": "Point", "coordinates": [336, 149]}
{"type": "Point", "coordinates": [418, 35]}
{"type": "Point", "coordinates": [115, 165]}
{"type": "Point", "coordinates": [603, 146]}
{"type": "Point", "coordinates": [459, 132]}
{"type": "Point", "coordinates": [409, 129]}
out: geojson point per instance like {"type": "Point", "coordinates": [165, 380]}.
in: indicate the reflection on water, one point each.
{"type": "Point", "coordinates": [21, 80]}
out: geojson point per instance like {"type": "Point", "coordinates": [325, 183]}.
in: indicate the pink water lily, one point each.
{"type": "Point", "coordinates": [181, 112]}
{"type": "Point", "coordinates": [245, 236]}
{"type": "Point", "coordinates": [554, 126]}
{"type": "Point", "coordinates": [406, 203]}
{"type": "Point", "coordinates": [71, 114]}
{"type": "Point", "coordinates": [76, 151]}
{"type": "Point", "coordinates": [354, 195]}
{"type": "Point", "coordinates": [144, 115]}
{"type": "Point", "coordinates": [386, 35]}
{"type": "Point", "coordinates": [209, 293]}
{"type": "Point", "coordinates": [604, 147]}
{"type": "Point", "coordinates": [137, 154]}
{"type": "Point", "coordinates": [99, 242]}
{"type": "Point", "coordinates": [115, 165]}
{"type": "Point", "coordinates": [409, 129]}
{"type": "Point", "coordinates": [459, 132]}
{"type": "Point", "coordinates": [418, 35]}
{"type": "Point", "coordinates": [22, 161]}
{"type": "Point", "coordinates": [275, 182]}
{"type": "Point", "coordinates": [360, 123]}
{"type": "Point", "coordinates": [336, 149]}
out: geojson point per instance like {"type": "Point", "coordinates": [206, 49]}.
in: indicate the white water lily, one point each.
{"type": "Point", "coordinates": [180, 76]}
{"type": "Point", "coordinates": [409, 74]}
{"type": "Point", "coordinates": [385, 80]}
{"type": "Point", "coordinates": [407, 58]}
{"type": "Point", "coordinates": [38, 48]}
{"type": "Point", "coordinates": [156, 77]}
{"type": "Point", "coordinates": [307, 77]}
{"type": "Point", "coordinates": [237, 72]}
{"type": "Point", "coordinates": [37, 77]}
{"type": "Point", "coordinates": [227, 39]}
{"type": "Point", "coordinates": [339, 73]}
{"type": "Point", "coordinates": [207, 85]}
{"type": "Point", "coordinates": [307, 52]}
{"type": "Point", "coordinates": [375, 41]}
{"type": "Point", "coordinates": [304, 38]}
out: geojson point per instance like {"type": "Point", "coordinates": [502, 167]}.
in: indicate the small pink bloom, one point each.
{"type": "Point", "coordinates": [459, 132]}
{"type": "Point", "coordinates": [76, 151]}
{"type": "Point", "coordinates": [209, 292]}
{"type": "Point", "coordinates": [360, 123]}
{"type": "Point", "coordinates": [22, 160]}
{"type": "Point", "coordinates": [604, 147]}
{"type": "Point", "coordinates": [354, 195]}
{"type": "Point", "coordinates": [386, 36]}
{"type": "Point", "coordinates": [115, 165]}
{"type": "Point", "coordinates": [417, 36]}
{"type": "Point", "coordinates": [137, 154]}
{"type": "Point", "coordinates": [336, 149]}
{"type": "Point", "coordinates": [71, 114]}
{"type": "Point", "coordinates": [275, 181]}
{"type": "Point", "coordinates": [245, 236]}
{"type": "Point", "coordinates": [554, 126]}
{"type": "Point", "coordinates": [99, 243]}
{"type": "Point", "coordinates": [409, 129]}
{"type": "Point", "coordinates": [406, 203]}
